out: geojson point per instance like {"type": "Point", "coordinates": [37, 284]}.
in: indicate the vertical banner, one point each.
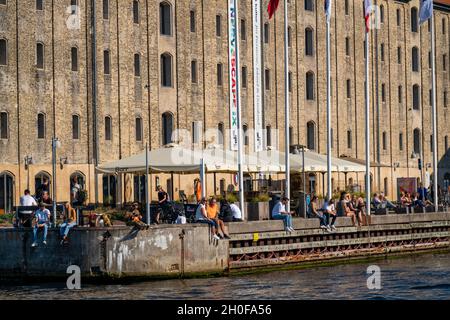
{"type": "Point", "coordinates": [257, 76]}
{"type": "Point", "coordinates": [232, 56]}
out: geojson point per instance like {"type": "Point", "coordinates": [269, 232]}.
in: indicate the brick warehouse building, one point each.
{"type": "Point", "coordinates": [163, 65]}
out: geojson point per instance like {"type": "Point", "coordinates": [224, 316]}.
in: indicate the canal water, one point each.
{"type": "Point", "coordinates": [425, 276]}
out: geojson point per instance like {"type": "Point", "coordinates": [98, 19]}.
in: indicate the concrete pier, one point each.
{"type": "Point", "coordinates": [181, 251]}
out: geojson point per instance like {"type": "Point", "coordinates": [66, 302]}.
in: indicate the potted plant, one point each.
{"type": "Point", "coordinates": [258, 208]}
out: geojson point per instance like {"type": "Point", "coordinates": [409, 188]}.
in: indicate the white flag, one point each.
{"type": "Point", "coordinates": [426, 10]}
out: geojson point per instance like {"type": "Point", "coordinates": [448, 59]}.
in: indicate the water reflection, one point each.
{"type": "Point", "coordinates": [415, 277]}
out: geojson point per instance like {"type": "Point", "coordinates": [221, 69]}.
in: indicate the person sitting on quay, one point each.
{"type": "Point", "coordinates": [226, 214]}
{"type": "Point", "coordinates": [134, 218]}
{"type": "Point", "coordinates": [344, 209]}
{"type": "Point", "coordinates": [352, 205]}
{"type": "Point", "coordinates": [212, 211]}
{"type": "Point", "coordinates": [279, 213]}
{"type": "Point", "coordinates": [201, 216]}
{"type": "Point", "coordinates": [386, 203]}
{"type": "Point", "coordinates": [361, 207]}
{"type": "Point", "coordinates": [315, 213]}
{"type": "Point", "coordinates": [42, 218]}
{"type": "Point", "coordinates": [237, 213]}
{"type": "Point", "coordinates": [70, 221]}
{"type": "Point", "coordinates": [329, 212]}
{"type": "Point", "coordinates": [377, 203]}
{"type": "Point", "coordinates": [405, 199]}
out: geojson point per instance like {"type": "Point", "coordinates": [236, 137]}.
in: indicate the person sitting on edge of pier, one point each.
{"type": "Point", "coordinates": [279, 213]}
{"type": "Point", "coordinates": [212, 211]}
{"type": "Point", "coordinates": [329, 211]}
{"type": "Point", "coordinates": [405, 199]}
{"type": "Point", "coordinates": [135, 218]}
{"type": "Point", "coordinates": [42, 218]}
{"type": "Point", "coordinates": [385, 203]}
{"type": "Point", "coordinates": [237, 213]}
{"type": "Point", "coordinates": [70, 221]}
{"type": "Point", "coordinates": [226, 214]}
{"type": "Point", "coordinates": [202, 217]}
{"type": "Point", "coordinates": [315, 213]}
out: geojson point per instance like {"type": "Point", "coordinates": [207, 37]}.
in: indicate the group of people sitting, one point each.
{"type": "Point", "coordinates": [417, 200]}
{"type": "Point", "coordinates": [209, 212]}
{"type": "Point", "coordinates": [347, 206]}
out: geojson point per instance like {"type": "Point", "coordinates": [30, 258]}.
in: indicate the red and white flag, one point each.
{"type": "Point", "coordinates": [367, 12]}
{"type": "Point", "coordinates": [273, 6]}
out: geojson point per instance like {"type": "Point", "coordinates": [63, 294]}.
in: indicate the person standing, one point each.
{"type": "Point", "coordinates": [163, 200]}
{"type": "Point", "coordinates": [279, 213]}
{"type": "Point", "coordinates": [198, 190]}
{"type": "Point", "coordinates": [75, 191]}
{"type": "Point", "coordinates": [42, 217]}
{"type": "Point", "coordinates": [27, 201]}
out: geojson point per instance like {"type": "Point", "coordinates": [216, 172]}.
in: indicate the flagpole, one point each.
{"type": "Point", "coordinates": [367, 124]}
{"type": "Point", "coordinates": [434, 115]}
{"type": "Point", "coordinates": [287, 105]}
{"type": "Point", "coordinates": [329, 191]}
{"type": "Point", "coordinates": [238, 103]}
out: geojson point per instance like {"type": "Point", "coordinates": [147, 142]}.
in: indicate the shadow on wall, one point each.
{"type": "Point", "coordinates": [444, 170]}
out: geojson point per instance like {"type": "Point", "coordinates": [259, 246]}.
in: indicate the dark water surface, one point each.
{"type": "Point", "coordinates": [425, 276]}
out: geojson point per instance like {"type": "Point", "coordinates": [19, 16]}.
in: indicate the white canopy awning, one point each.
{"type": "Point", "coordinates": [174, 158]}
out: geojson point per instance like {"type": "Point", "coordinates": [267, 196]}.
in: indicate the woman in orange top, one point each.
{"type": "Point", "coordinates": [212, 211]}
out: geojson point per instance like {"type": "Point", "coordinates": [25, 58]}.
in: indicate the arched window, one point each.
{"type": "Point", "coordinates": [416, 97]}
{"type": "Point", "coordinates": [137, 65]}
{"type": "Point", "coordinates": [415, 59]}
{"type": "Point", "coordinates": [108, 128]}
{"type": "Point", "coordinates": [167, 128]}
{"type": "Point", "coordinates": [386, 186]}
{"type": "Point", "coordinates": [310, 86]}
{"type": "Point", "coordinates": [400, 141]}
{"type": "Point", "coordinates": [416, 138]}
{"type": "Point", "coordinates": [445, 144]}
{"type": "Point", "coordinates": [309, 42]}
{"type": "Point", "coordinates": [347, 46]}
{"type": "Point", "coordinates": [218, 25]}
{"type": "Point", "coordinates": [194, 71]}
{"type": "Point", "coordinates": [106, 62]}
{"type": "Point", "coordinates": [244, 77]}
{"type": "Point", "coordinates": [75, 127]}
{"type": "Point", "coordinates": [311, 135]}
{"type": "Point", "coordinates": [266, 32]}
{"type": "Point", "coordinates": [139, 188]}
{"type": "Point", "coordinates": [39, 5]}
{"type": "Point", "coordinates": [245, 133]}
{"type": "Point", "coordinates": [42, 183]}
{"type": "Point", "coordinates": [346, 7]}
{"type": "Point", "coordinates": [349, 139]}
{"type": "Point", "coordinates": [166, 70]}
{"type": "Point", "coordinates": [384, 138]}
{"type": "Point", "coordinates": [219, 74]}
{"type": "Point", "coordinates": [106, 9]}
{"type": "Point", "coordinates": [74, 58]}
{"type": "Point", "coordinates": [4, 125]}
{"type": "Point", "coordinates": [443, 26]}
{"type": "Point", "coordinates": [138, 129]}
{"type": "Point", "coordinates": [136, 12]}
{"type": "Point", "coordinates": [6, 192]}
{"type": "Point", "coordinates": [40, 51]}
{"type": "Point", "coordinates": [243, 30]}
{"type": "Point", "coordinates": [400, 94]}
{"type": "Point", "coordinates": [220, 132]}
{"type": "Point", "coordinates": [382, 52]}
{"type": "Point", "coordinates": [77, 186]}
{"type": "Point", "coordinates": [414, 20]}
{"type": "Point", "coordinates": [41, 126]}
{"type": "Point", "coordinates": [3, 52]}
{"type": "Point", "coordinates": [289, 37]}
{"type": "Point", "coordinates": [381, 14]}
{"type": "Point", "coordinates": [399, 18]}
{"type": "Point", "coordinates": [269, 136]}
{"type": "Point", "coordinates": [309, 5]}
{"type": "Point", "coordinates": [165, 18]}
{"type": "Point", "coordinates": [192, 21]}
{"type": "Point", "coordinates": [109, 190]}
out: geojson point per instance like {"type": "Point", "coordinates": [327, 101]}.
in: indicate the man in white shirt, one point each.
{"type": "Point", "coordinates": [26, 201]}
{"type": "Point", "coordinates": [237, 213]}
{"type": "Point", "coordinates": [279, 213]}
